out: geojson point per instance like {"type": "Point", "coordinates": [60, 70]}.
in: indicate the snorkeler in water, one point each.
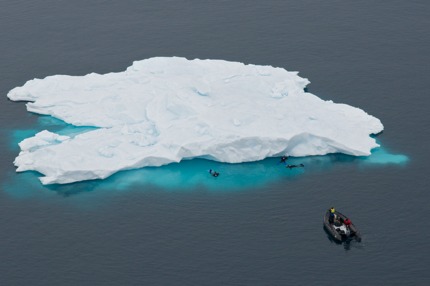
{"type": "Point", "coordinates": [294, 166]}
{"type": "Point", "coordinates": [284, 159]}
{"type": "Point", "coordinates": [213, 173]}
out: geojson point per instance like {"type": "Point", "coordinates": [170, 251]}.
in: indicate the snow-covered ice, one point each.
{"type": "Point", "coordinates": [167, 109]}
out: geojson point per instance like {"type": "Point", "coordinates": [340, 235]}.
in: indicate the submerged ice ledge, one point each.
{"type": "Point", "coordinates": [164, 110]}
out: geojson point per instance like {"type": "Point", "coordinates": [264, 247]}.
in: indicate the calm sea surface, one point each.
{"type": "Point", "coordinates": [262, 228]}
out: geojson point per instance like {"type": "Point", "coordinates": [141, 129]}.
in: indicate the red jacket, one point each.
{"type": "Point", "coordinates": [347, 221]}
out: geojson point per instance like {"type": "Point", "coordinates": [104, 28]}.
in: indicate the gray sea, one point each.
{"type": "Point", "coordinates": [258, 223]}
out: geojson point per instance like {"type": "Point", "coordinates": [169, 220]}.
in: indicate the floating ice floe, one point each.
{"type": "Point", "coordinates": [168, 109]}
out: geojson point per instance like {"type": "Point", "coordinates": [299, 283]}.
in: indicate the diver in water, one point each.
{"type": "Point", "coordinates": [294, 166]}
{"type": "Point", "coordinates": [284, 159]}
{"type": "Point", "coordinates": [213, 173]}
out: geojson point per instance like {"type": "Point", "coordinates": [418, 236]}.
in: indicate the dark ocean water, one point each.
{"type": "Point", "coordinates": [131, 231]}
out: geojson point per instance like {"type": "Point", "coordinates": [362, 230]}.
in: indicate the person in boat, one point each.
{"type": "Point", "coordinates": [347, 222]}
{"type": "Point", "coordinates": [294, 166]}
{"type": "Point", "coordinates": [337, 220]}
{"type": "Point", "coordinates": [332, 215]}
{"type": "Point", "coordinates": [284, 159]}
{"type": "Point", "coordinates": [213, 173]}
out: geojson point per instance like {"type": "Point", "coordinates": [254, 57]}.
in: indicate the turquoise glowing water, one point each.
{"type": "Point", "coordinates": [190, 174]}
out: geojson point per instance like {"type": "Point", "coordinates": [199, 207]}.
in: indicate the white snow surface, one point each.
{"type": "Point", "coordinates": [167, 109]}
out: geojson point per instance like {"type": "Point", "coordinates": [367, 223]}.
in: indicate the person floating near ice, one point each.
{"type": "Point", "coordinates": [294, 166]}
{"type": "Point", "coordinates": [284, 159]}
{"type": "Point", "coordinates": [213, 173]}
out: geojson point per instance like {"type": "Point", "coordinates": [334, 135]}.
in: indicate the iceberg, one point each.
{"type": "Point", "coordinates": [168, 109]}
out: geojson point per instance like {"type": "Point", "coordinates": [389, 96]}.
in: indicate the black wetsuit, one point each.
{"type": "Point", "coordinates": [284, 159]}
{"type": "Point", "coordinates": [214, 173]}
{"type": "Point", "coordinates": [294, 166]}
